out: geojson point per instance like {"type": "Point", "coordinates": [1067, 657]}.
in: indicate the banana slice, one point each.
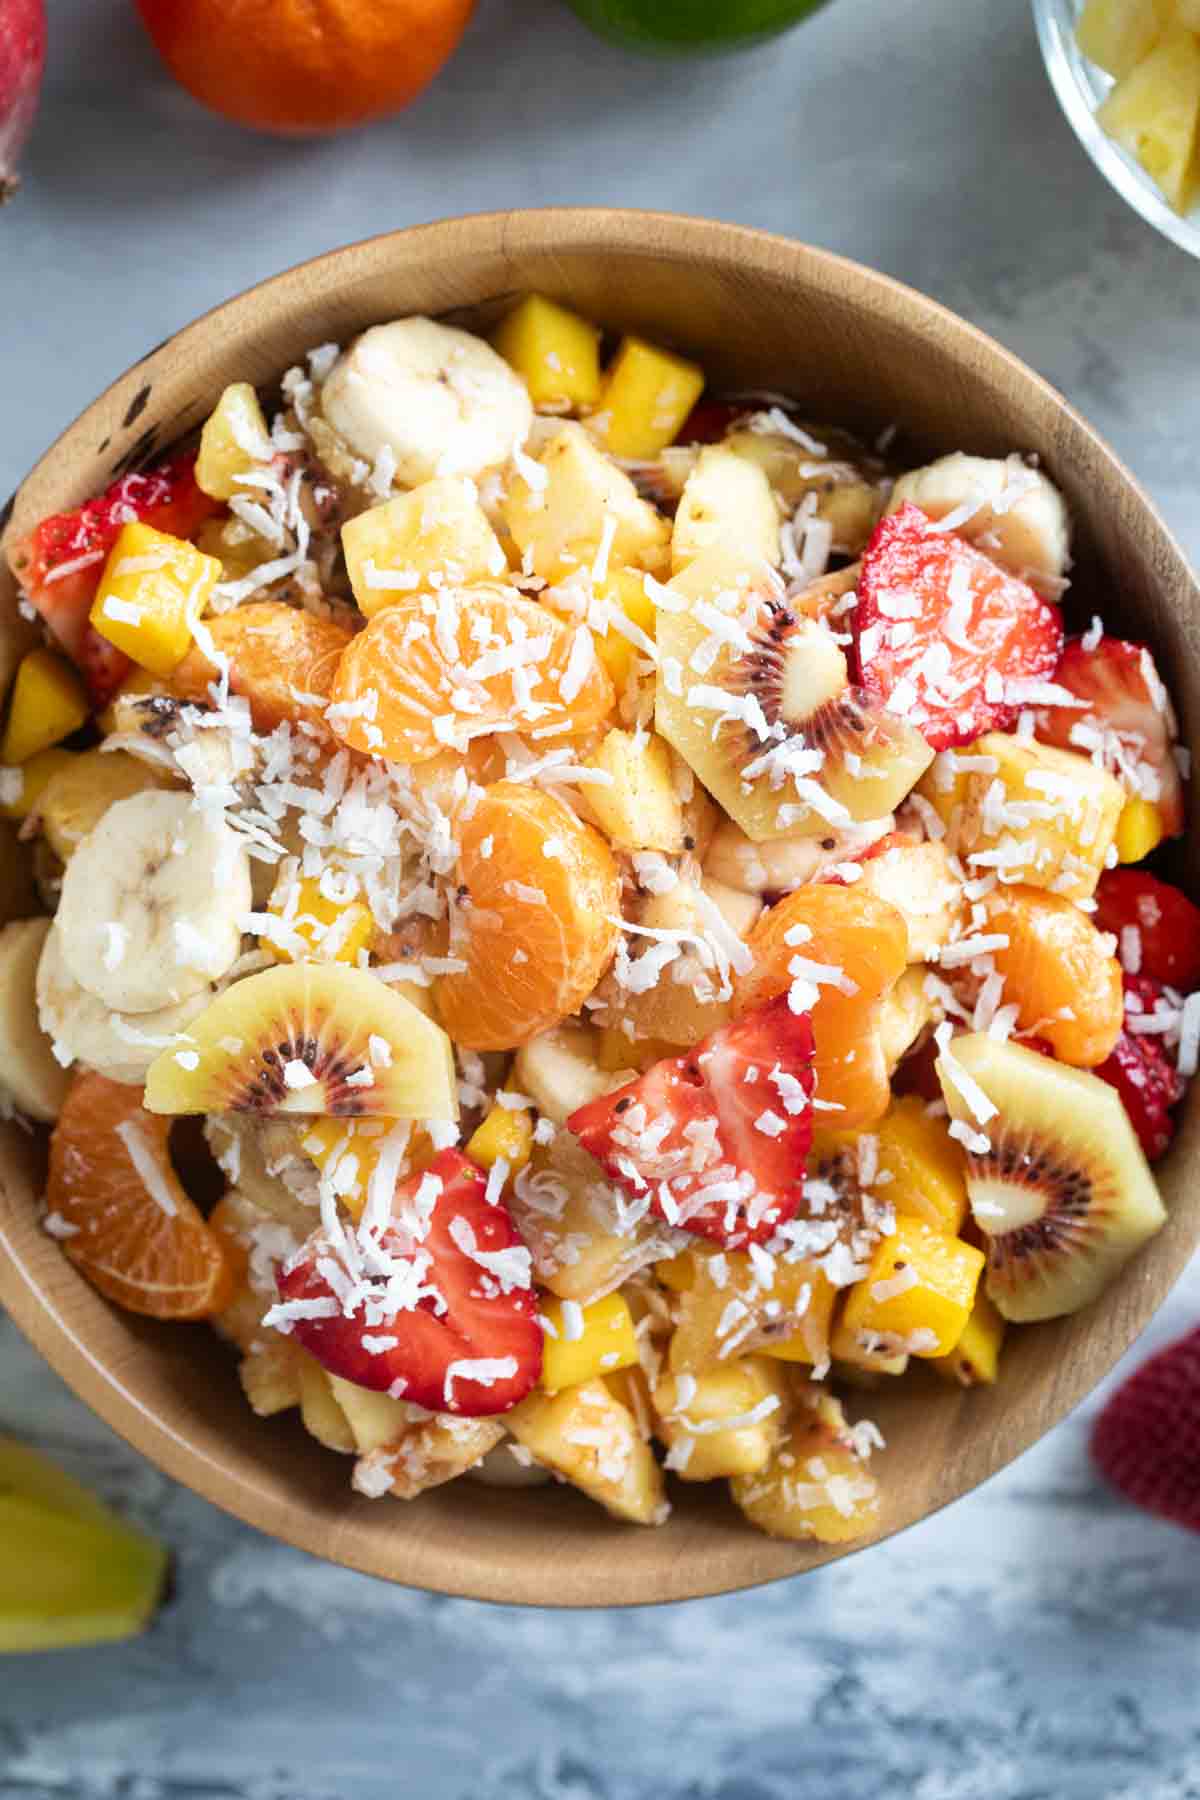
{"type": "Point", "coordinates": [82, 1029]}
{"type": "Point", "coordinates": [783, 864]}
{"type": "Point", "coordinates": [29, 1069]}
{"type": "Point", "coordinates": [559, 1072]}
{"type": "Point", "coordinates": [152, 903]}
{"type": "Point", "coordinates": [439, 400]}
{"type": "Point", "coordinates": [1022, 521]}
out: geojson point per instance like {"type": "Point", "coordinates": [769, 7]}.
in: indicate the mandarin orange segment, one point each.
{"type": "Point", "coordinates": [854, 947]}
{"type": "Point", "coordinates": [127, 1224]}
{"type": "Point", "coordinates": [281, 659]}
{"type": "Point", "coordinates": [535, 925]}
{"type": "Point", "coordinates": [1059, 971]}
{"type": "Point", "coordinates": [433, 671]}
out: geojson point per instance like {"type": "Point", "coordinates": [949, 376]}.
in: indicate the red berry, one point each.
{"type": "Point", "coordinates": [944, 635]}
{"type": "Point", "coordinates": [1143, 1074]}
{"type": "Point", "coordinates": [1166, 921]}
{"type": "Point", "coordinates": [1147, 1439]}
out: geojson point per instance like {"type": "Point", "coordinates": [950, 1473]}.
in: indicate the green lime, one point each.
{"type": "Point", "coordinates": [690, 25]}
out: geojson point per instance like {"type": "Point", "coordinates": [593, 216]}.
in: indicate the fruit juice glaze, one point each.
{"type": "Point", "coordinates": [644, 894]}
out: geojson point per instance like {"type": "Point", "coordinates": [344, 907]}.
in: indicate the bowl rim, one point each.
{"type": "Point", "coordinates": [758, 255]}
{"type": "Point", "coordinates": [1122, 173]}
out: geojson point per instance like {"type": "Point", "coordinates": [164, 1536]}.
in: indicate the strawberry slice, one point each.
{"type": "Point", "coordinates": [436, 1308]}
{"type": "Point", "coordinates": [1126, 717]}
{"type": "Point", "coordinates": [715, 1140]}
{"type": "Point", "coordinates": [1147, 1439]}
{"type": "Point", "coordinates": [1143, 1074]}
{"type": "Point", "coordinates": [943, 635]}
{"type": "Point", "coordinates": [60, 563]}
{"type": "Point", "coordinates": [1167, 926]}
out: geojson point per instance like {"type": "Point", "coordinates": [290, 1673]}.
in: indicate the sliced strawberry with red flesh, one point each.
{"type": "Point", "coordinates": [60, 563]}
{"type": "Point", "coordinates": [945, 636]}
{"type": "Point", "coordinates": [440, 1311]}
{"type": "Point", "coordinates": [1147, 1439]}
{"type": "Point", "coordinates": [715, 1140]}
{"type": "Point", "coordinates": [1164, 926]}
{"type": "Point", "coordinates": [1126, 717]}
{"type": "Point", "coordinates": [1142, 1073]}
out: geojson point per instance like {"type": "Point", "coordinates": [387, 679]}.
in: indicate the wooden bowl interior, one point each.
{"type": "Point", "coordinates": [856, 350]}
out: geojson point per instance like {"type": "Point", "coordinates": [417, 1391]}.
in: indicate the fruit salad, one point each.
{"type": "Point", "coordinates": [639, 893]}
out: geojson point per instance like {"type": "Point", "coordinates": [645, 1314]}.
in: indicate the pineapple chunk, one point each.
{"type": "Point", "coordinates": [722, 1422]}
{"type": "Point", "coordinates": [623, 595]}
{"type": "Point", "coordinates": [431, 1452]}
{"type": "Point", "coordinates": [559, 524]}
{"type": "Point", "coordinates": [438, 529]}
{"type": "Point", "coordinates": [234, 439]}
{"type": "Point", "coordinates": [24, 783]}
{"type": "Point", "coordinates": [374, 1419]}
{"type": "Point", "coordinates": [583, 1342]}
{"type": "Point", "coordinates": [1153, 112]}
{"type": "Point", "coordinates": [152, 590]}
{"type": "Point", "coordinates": [506, 1135]}
{"type": "Point", "coordinates": [846, 499]}
{"type": "Point", "coordinates": [640, 810]}
{"type": "Point", "coordinates": [1042, 816]}
{"type": "Point", "coordinates": [726, 1312]}
{"type": "Point", "coordinates": [816, 1484]}
{"type": "Point", "coordinates": [567, 1213]}
{"type": "Point", "coordinates": [975, 1359]}
{"type": "Point", "coordinates": [918, 1292]}
{"type": "Point", "coordinates": [1139, 829]}
{"type": "Point", "coordinates": [270, 1377]}
{"type": "Point", "coordinates": [319, 1408]}
{"type": "Point", "coordinates": [78, 795]}
{"type": "Point", "coordinates": [554, 351]}
{"type": "Point", "coordinates": [585, 1435]}
{"type": "Point", "coordinates": [313, 926]}
{"type": "Point", "coordinates": [646, 396]}
{"type": "Point", "coordinates": [46, 705]}
{"type": "Point", "coordinates": [1118, 34]}
{"type": "Point", "coordinates": [727, 500]}
{"type": "Point", "coordinates": [918, 881]}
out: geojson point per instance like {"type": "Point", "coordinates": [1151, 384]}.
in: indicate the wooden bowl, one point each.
{"type": "Point", "coordinates": [856, 349]}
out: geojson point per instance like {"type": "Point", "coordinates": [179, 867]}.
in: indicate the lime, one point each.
{"type": "Point", "coordinates": [691, 25]}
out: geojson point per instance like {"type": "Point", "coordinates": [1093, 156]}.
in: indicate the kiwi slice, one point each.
{"type": "Point", "coordinates": [757, 699]}
{"type": "Point", "coordinates": [1063, 1192]}
{"type": "Point", "coordinates": [308, 1038]}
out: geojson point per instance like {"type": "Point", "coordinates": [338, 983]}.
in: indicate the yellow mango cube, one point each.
{"type": "Point", "coordinates": [506, 1135]}
{"type": "Point", "coordinates": [639, 808]}
{"type": "Point", "coordinates": [438, 532]}
{"type": "Point", "coordinates": [1139, 829]}
{"type": "Point", "coordinates": [554, 351]}
{"type": "Point", "coordinates": [1118, 34]}
{"type": "Point", "coordinates": [1154, 113]}
{"type": "Point", "coordinates": [918, 1293]}
{"type": "Point", "coordinates": [153, 588]}
{"type": "Point", "coordinates": [22, 785]}
{"type": "Point", "coordinates": [47, 704]}
{"type": "Point", "coordinates": [234, 439]}
{"type": "Point", "coordinates": [1037, 814]}
{"type": "Point", "coordinates": [646, 395]}
{"type": "Point", "coordinates": [862, 1350]}
{"type": "Point", "coordinates": [726, 1421]}
{"type": "Point", "coordinates": [314, 927]}
{"type": "Point", "coordinates": [676, 1273]}
{"type": "Point", "coordinates": [816, 1485]}
{"type": "Point", "coordinates": [926, 1167]}
{"type": "Point", "coordinates": [623, 594]}
{"type": "Point", "coordinates": [585, 1435]}
{"type": "Point", "coordinates": [975, 1359]}
{"type": "Point", "coordinates": [347, 1152]}
{"type": "Point", "coordinates": [586, 1341]}
{"type": "Point", "coordinates": [728, 1311]}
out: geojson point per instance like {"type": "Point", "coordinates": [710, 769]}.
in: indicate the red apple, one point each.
{"type": "Point", "coordinates": [22, 60]}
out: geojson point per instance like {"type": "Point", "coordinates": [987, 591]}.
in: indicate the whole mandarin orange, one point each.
{"type": "Point", "coordinates": [297, 67]}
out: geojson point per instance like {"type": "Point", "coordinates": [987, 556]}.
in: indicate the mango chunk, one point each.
{"type": "Point", "coordinates": [625, 602]}
{"type": "Point", "coordinates": [918, 1292]}
{"type": "Point", "coordinates": [22, 785]}
{"type": "Point", "coordinates": [437, 532]}
{"type": "Point", "coordinates": [723, 1422]}
{"type": "Point", "coordinates": [311, 925]}
{"type": "Point", "coordinates": [729, 1309]}
{"type": "Point", "coordinates": [975, 1359]}
{"type": "Point", "coordinates": [48, 703]}
{"type": "Point", "coordinates": [816, 1484]}
{"type": "Point", "coordinates": [585, 1341]}
{"type": "Point", "coordinates": [234, 439]}
{"type": "Point", "coordinates": [506, 1135]}
{"type": "Point", "coordinates": [646, 396]}
{"type": "Point", "coordinates": [1139, 829]}
{"type": "Point", "coordinates": [554, 351]}
{"type": "Point", "coordinates": [927, 1168]}
{"type": "Point", "coordinates": [589, 1438]}
{"type": "Point", "coordinates": [153, 588]}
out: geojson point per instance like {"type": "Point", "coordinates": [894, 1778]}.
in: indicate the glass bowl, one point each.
{"type": "Point", "coordinates": [1081, 87]}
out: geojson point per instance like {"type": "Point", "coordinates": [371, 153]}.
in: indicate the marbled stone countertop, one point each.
{"type": "Point", "coordinates": [1039, 1641]}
